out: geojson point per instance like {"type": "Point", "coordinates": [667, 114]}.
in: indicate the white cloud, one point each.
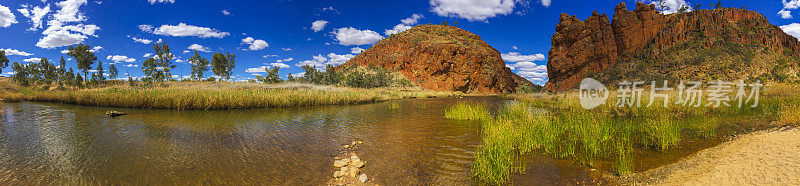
{"type": "Point", "coordinates": [6, 17]}
{"type": "Point", "coordinates": [514, 47]}
{"type": "Point", "coordinates": [226, 12]}
{"type": "Point", "coordinates": [130, 65]}
{"type": "Point", "coordinates": [336, 59]}
{"type": "Point", "coordinates": [152, 2]}
{"type": "Point", "coordinates": [269, 55]}
{"type": "Point", "coordinates": [285, 60]}
{"type": "Point", "coordinates": [517, 57]}
{"type": "Point", "coordinates": [530, 66]}
{"type": "Point", "coordinates": [546, 3]}
{"type": "Point", "coordinates": [32, 60]}
{"type": "Point", "coordinates": [356, 50]}
{"type": "Point", "coordinates": [788, 5]}
{"type": "Point", "coordinates": [529, 74]}
{"type": "Point", "coordinates": [12, 52]}
{"type": "Point", "coordinates": [255, 44]}
{"type": "Point", "coordinates": [183, 30]}
{"type": "Point", "coordinates": [200, 48]}
{"type": "Point", "coordinates": [473, 10]}
{"type": "Point", "coordinates": [280, 65]}
{"type": "Point", "coordinates": [318, 25]}
{"type": "Point", "coordinates": [64, 51]}
{"type": "Point", "coordinates": [96, 48]}
{"type": "Point", "coordinates": [121, 58]}
{"type": "Point", "coordinates": [785, 14]}
{"type": "Point", "coordinates": [261, 69]}
{"type": "Point", "coordinates": [59, 33]}
{"type": "Point", "coordinates": [286, 49]}
{"type": "Point", "coordinates": [412, 20]}
{"type": "Point", "coordinates": [35, 14]}
{"type": "Point", "coordinates": [397, 29]}
{"type": "Point", "coordinates": [140, 40]}
{"type": "Point", "coordinates": [792, 29]}
{"type": "Point", "coordinates": [351, 36]}
{"type": "Point", "coordinates": [671, 6]}
{"type": "Point", "coordinates": [146, 55]}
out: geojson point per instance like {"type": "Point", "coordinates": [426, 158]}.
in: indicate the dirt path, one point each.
{"type": "Point", "coordinates": [766, 157]}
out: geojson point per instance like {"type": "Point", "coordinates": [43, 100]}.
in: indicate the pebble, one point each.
{"type": "Point", "coordinates": [338, 174]}
{"type": "Point", "coordinates": [357, 163]}
{"type": "Point", "coordinates": [352, 172]}
{"type": "Point", "coordinates": [340, 163]}
{"type": "Point", "coordinates": [362, 178]}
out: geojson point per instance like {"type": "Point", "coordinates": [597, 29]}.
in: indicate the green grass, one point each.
{"type": "Point", "coordinates": [557, 125]}
{"type": "Point", "coordinates": [219, 95]}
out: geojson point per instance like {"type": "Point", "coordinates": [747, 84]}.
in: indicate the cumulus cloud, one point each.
{"type": "Point", "coordinates": [792, 29]}
{"type": "Point", "coordinates": [226, 12]}
{"type": "Point", "coordinates": [318, 25]}
{"type": "Point", "coordinates": [788, 5]}
{"type": "Point", "coordinates": [6, 17]}
{"type": "Point", "coordinates": [32, 60]}
{"type": "Point", "coordinates": [405, 25]}
{"type": "Point", "coordinates": [286, 49]}
{"type": "Point", "coordinates": [517, 57]}
{"type": "Point", "coordinates": [320, 61]}
{"type": "Point", "coordinates": [35, 14]}
{"type": "Point", "coordinates": [412, 20]}
{"type": "Point", "coordinates": [152, 2]}
{"type": "Point", "coordinates": [183, 30]}
{"type": "Point", "coordinates": [261, 69]}
{"type": "Point", "coordinates": [351, 36]}
{"type": "Point", "coordinates": [546, 3]}
{"type": "Point", "coordinates": [121, 58]}
{"type": "Point", "coordinates": [397, 29]}
{"type": "Point", "coordinates": [356, 50]}
{"type": "Point", "coordinates": [284, 60]}
{"type": "Point", "coordinates": [60, 33]}
{"type": "Point", "coordinates": [12, 52]}
{"type": "Point", "coordinates": [255, 44]}
{"type": "Point", "coordinates": [200, 48]}
{"type": "Point", "coordinates": [473, 10]}
{"type": "Point", "coordinates": [671, 6]}
{"type": "Point", "coordinates": [279, 65]}
{"type": "Point", "coordinates": [130, 65]}
{"type": "Point", "coordinates": [140, 40]}
{"type": "Point", "coordinates": [146, 55]}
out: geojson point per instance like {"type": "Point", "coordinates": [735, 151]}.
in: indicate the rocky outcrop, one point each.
{"type": "Point", "coordinates": [442, 58]}
{"type": "Point", "coordinates": [580, 48]}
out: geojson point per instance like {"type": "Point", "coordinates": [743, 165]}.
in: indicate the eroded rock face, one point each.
{"type": "Point", "coordinates": [580, 48]}
{"type": "Point", "coordinates": [442, 58]}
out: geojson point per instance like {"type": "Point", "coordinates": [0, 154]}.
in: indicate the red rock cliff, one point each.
{"type": "Point", "coordinates": [442, 58]}
{"type": "Point", "coordinates": [580, 48]}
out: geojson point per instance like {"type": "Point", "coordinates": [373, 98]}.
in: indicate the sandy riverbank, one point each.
{"type": "Point", "coordinates": [767, 157]}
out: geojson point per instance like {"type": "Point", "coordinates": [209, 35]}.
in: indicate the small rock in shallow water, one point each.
{"type": "Point", "coordinates": [343, 169]}
{"type": "Point", "coordinates": [358, 163]}
{"type": "Point", "coordinates": [114, 113]}
{"type": "Point", "coordinates": [362, 178]}
{"type": "Point", "coordinates": [354, 158]}
{"type": "Point", "coordinates": [352, 172]}
{"type": "Point", "coordinates": [338, 174]}
{"type": "Point", "coordinates": [340, 163]}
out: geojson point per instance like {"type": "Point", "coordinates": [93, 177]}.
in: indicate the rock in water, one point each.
{"type": "Point", "coordinates": [362, 178]}
{"type": "Point", "coordinates": [358, 163]}
{"type": "Point", "coordinates": [340, 163]}
{"type": "Point", "coordinates": [338, 174]}
{"type": "Point", "coordinates": [352, 172]}
{"type": "Point", "coordinates": [112, 113]}
{"type": "Point", "coordinates": [442, 58]}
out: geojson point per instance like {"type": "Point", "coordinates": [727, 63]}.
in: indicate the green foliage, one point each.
{"type": "Point", "coordinates": [100, 72]}
{"type": "Point", "coordinates": [113, 72]}
{"type": "Point", "coordinates": [151, 71]}
{"type": "Point", "coordinates": [223, 64]}
{"type": "Point", "coordinates": [526, 88]}
{"type": "Point", "coordinates": [83, 56]}
{"type": "Point", "coordinates": [3, 60]}
{"type": "Point", "coordinates": [361, 79]}
{"type": "Point", "coordinates": [163, 59]}
{"type": "Point", "coordinates": [199, 66]}
{"type": "Point", "coordinates": [43, 72]}
{"type": "Point", "coordinates": [272, 77]}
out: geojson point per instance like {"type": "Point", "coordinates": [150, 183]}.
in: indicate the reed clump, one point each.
{"type": "Point", "coordinates": [217, 95]}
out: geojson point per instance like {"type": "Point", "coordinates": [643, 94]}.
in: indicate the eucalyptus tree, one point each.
{"type": "Point", "coordinates": [83, 56]}
{"type": "Point", "coordinates": [199, 66]}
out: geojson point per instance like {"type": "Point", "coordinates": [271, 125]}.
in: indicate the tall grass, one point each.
{"type": "Point", "coordinates": [209, 96]}
{"type": "Point", "coordinates": [608, 132]}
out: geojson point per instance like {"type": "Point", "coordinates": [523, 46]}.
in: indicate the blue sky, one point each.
{"type": "Point", "coordinates": [270, 33]}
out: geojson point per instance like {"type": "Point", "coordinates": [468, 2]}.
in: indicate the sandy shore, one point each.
{"type": "Point", "coordinates": [770, 157]}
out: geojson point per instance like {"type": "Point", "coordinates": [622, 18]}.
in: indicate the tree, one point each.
{"type": "Point", "coordinates": [290, 78]}
{"type": "Point", "coordinates": [3, 60]}
{"type": "Point", "coordinates": [150, 69]}
{"type": "Point", "coordinates": [718, 5]}
{"type": "Point", "coordinates": [444, 23]}
{"type": "Point", "coordinates": [312, 75]}
{"type": "Point", "coordinates": [272, 76]}
{"type": "Point", "coordinates": [697, 6]}
{"type": "Point", "coordinates": [163, 60]}
{"type": "Point", "coordinates": [70, 77]}
{"type": "Point", "coordinates": [223, 64]}
{"type": "Point", "coordinates": [20, 73]}
{"type": "Point", "coordinates": [46, 71]}
{"type": "Point", "coordinates": [112, 72]}
{"type": "Point", "coordinates": [62, 70]}
{"type": "Point", "coordinates": [83, 56]}
{"type": "Point", "coordinates": [100, 71]}
{"type": "Point", "coordinates": [199, 66]}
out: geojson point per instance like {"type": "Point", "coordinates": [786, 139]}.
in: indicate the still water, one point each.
{"type": "Point", "coordinates": [404, 142]}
